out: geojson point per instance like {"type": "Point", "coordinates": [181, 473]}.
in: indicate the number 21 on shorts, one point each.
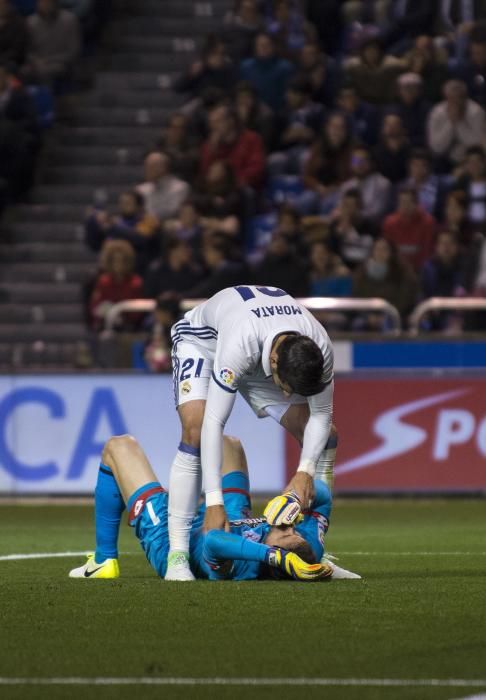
{"type": "Point", "coordinates": [187, 366]}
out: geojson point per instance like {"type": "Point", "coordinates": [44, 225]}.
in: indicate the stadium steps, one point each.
{"type": "Point", "coordinates": [98, 156]}
{"type": "Point", "coordinates": [108, 136]}
{"type": "Point", "coordinates": [80, 174]}
{"type": "Point", "coordinates": [92, 154]}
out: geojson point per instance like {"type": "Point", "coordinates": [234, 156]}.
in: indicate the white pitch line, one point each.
{"type": "Point", "coordinates": [365, 682]}
{"type": "Point", "coordinates": [413, 554]}
{"type": "Point", "coordinates": [50, 555]}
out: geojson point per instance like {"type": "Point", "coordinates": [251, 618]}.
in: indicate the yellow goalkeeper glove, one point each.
{"type": "Point", "coordinates": [285, 509]}
{"type": "Point", "coordinates": [295, 567]}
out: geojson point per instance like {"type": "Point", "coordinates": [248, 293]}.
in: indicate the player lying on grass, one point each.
{"type": "Point", "coordinates": [252, 549]}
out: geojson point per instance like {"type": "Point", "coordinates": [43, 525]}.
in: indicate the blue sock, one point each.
{"type": "Point", "coordinates": [109, 507]}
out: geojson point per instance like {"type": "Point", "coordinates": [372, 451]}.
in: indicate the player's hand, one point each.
{"type": "Point", "coordinates": [284, 509]}
{"type": "Point", "coordinates": [215, 519]}
{"type": "Point", "coordinates": [303, 485]}
{"type": "Point", "coordinates": [295, 567]}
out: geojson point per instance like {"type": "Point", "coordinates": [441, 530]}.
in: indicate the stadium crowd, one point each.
{"type": "Point", "coordinates": [333, 149]}
{"type": "Point", "coordinates": [41, 42]}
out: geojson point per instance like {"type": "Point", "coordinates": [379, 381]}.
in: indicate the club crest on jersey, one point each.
{"type": "Point", "coordinates": [186, 388]}
{"type": "Point", "coordinates": [227, 376]}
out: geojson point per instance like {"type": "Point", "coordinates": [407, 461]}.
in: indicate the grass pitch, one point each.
{"type": "Point", "coordinates": [419, 613]}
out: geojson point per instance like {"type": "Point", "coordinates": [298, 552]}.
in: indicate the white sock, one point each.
{"type": "Point", "coordinates": [184, 492]}
{"type": "Point", "coordinates": [325, 465]}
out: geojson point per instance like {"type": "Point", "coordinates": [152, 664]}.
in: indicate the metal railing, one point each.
{"type": "Point", "coordinates": [314, 304]}
{"type": "Point", "coordinates": [443, 304]}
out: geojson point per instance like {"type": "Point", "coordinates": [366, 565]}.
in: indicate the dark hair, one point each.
{"type": "Point", "coordinates": [169, 302]}
{"type": "Point", "coordinates": [303, 550]}
{"type": "Point", "coordinates": [136, 196]}
{"type": "Point", "coordinates": [475, 151]}
{"type": "Point", "coordinates": [406, 189]}
{"type": "Point", "coordinates": [353, 193]}
{"type": "Point", "coordinates": [420, 154]}
{"type": "Point", "coordinates": [300, 365]}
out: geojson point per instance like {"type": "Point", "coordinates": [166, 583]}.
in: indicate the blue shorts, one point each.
{"type": "Point", "coordinates": [148, 514]}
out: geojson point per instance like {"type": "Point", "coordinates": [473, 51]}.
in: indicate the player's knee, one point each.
{"type": "Point", "coordinates": [191, 435]}
{"type": "Point", "coordinates": [118, 446]}
{"type": "Point", "coordinates": [233, 443]}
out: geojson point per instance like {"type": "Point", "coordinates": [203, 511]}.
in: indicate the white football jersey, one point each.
{"type": "Point", "coordinates": [237, 328]}
{"type": "Point", "coordinates": [243, 322]}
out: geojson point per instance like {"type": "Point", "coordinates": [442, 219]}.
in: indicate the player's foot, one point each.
{"type": "Point", "coordinates": [337, 571]}
{"type": "Point", "coordinates": [178, 567]}
{"type": "Point", "coordinates": [108, 569]}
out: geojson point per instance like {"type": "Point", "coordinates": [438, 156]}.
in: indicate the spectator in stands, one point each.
{"type": "Point", "coordinates": [19, 138]}
{"type": "Point", "coordinates": [163, 192]}
{"type": "Point", "coordinates": [412, 107]}
{"type": "Point", "coordinates": [297, 127]}
{"type": "Point", "coordinates": [288, 25]}
{"type": "Point", "coordinates": [321, 71]}
{"type": "Point", "coordinates": [430, 62]}
{"type": "Point", "coordinates": [408, 20]}
{"type": "Point", "coordinates": [375, 190]}
{"type": "Point", "coordinates": [253, 114]}
{"type": "Point", "coordinates": [328, 166]}
{"type": "Point", "coordinates": [473, 182]}
{"type": "Point", "coordinates": [240, 148]}
{"type": "Point", "coordinates": [385, 275]}
{"type": "Point", "coordinates": [223, 268]}
{"type": "Point", "coordinates": [131, 224]}
{"type": "Point", "coordinates": [13, 35]}
{"type": "Point", "coordinates": [456, 219]}
{"type": "Point", "coordinates": [362, 116]}
{"type": "Point", "coordinates": [157, 352]}
{"type": "Point", "coordinates": [392, 152]}
{"type": "Point", "coordinates": [54, 43]}
{"type": "Point", "coordinates": [267, 72]}
{"type": "Point", "coordinates": [455, 124]}
{"type": "Point", "coordinates": [289, 225]}
{"type": "Point", "coordinates": [473, 70]}
{"type": "Point", "coordinates": [281, 268]}
{"type": "Point", "coordinates": [326, 17]}
{"type": "Point", "coordinates": [241, 28]}
{"type": "Point", "coordinates": [328, 276]}
{"type": "Point", "coordinates": [117, 282]}
{"type": "Point", "coordinates": [175, 271]}
{"type": "Point", "coordinates": [351, 235]}
{"type": "Point", "coordinates": [442, 276]}
{"type": "Point", "coordinates": [475, 275]}
{"type": "Point", "coordinates": [442, 273]}
{"type": "Point", "coordinates": [176, 142]}
{"type": "Point", "coordinates": [423, 181]}
{"type": "Point", "coordinates": [372, 73]}
{"type": "Point", "coordinates": [214, 70]}
{"type": "Point", "coordinates": [219, 201]}
{"type": "Point", "coordinates": [17, 106]}
{"type": "Point", "coordinates": [186, 226]}
{"type": "Point", "coordinates": [411, 229]}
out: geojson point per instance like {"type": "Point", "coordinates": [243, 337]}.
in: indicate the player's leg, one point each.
{"type": "Point", "coordinates": [192, 371]}
{"type": "Point", "coordinates": [294, 421]}
{"type": "Point", "coordinates": [234, 457]}
{"type": "Point", "coordinates": [124, 468]}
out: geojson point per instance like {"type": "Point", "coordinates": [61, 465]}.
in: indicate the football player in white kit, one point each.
{"type": "Point", "coordinates": [263, 343]}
